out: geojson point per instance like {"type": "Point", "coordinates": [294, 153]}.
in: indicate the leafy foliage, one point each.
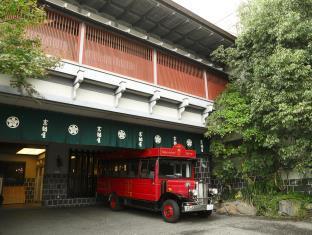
{"type": "Point", "coordinates": [268, 106]}
{"type": "Point", "coordinates": [265, 198]}
{"type": "Point", "coordinates": [22, 57]}
{"type": "Point", "coordinates": [268, 204]}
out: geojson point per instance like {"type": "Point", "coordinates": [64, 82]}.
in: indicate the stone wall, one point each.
{"type": "Point", "coordinates": [299, 185]}
{"type": "Point", "coordinates": [55, 193]}
{"type": "Point", "coordinates": [29, 184]}
{"type": "Point", "coordinates": [292, 185]}
{"type": "Point", "coordinates": [235, 184]}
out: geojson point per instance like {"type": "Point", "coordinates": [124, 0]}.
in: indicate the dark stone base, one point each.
{"type": "Point", "coordinates": [29, 184]}
{"type": "Point", "coordinates": [54, 187]}
{"type": "Point", "coordinates": [55, 193]}
{"type": "Point", "coordinates": [70, 202]}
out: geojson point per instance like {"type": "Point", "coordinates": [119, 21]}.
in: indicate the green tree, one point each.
{"type": "Point", "coordinates": [269, 101]}
{"type": "Point", "coordinates": [20, 57]}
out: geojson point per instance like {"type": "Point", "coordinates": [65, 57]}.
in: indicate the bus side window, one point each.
{"type": "Point", "coordinates": [147, 169]}
{"type": "Point", "coordinates": [115, 169]}
{"type": "Point", "coordinates": [123, 169]}
{"type": "Point", "coordinates": [104, 168]}
{"type": "Point", "coordinates": [151, 168]}
{"type": "Point", "coordinates": [144, 169]}
{"type": "Point", "coordinates": [101, 168]}
{"type": "Point", "coordinates": [133, 166]}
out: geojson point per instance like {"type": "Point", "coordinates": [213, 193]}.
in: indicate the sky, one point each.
{"type": "Point", "coordinates": [222, 13]}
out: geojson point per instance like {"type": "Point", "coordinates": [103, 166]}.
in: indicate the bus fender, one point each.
{"type": "Point", "coordinates": [178, 198]}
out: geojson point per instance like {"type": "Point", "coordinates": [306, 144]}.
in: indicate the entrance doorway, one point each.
{"type": "Point", "coordinates": [82, 177]}
{"type": "Point", "coordinates": [21, 173]}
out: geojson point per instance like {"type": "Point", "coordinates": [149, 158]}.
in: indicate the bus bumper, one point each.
{"type": "Point", "coordinates": [196, 207]}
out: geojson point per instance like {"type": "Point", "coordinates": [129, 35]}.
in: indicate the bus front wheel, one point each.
{"type": "Point", "coordinates": [170, 211]}
{"type": "Point", "coordinates": [115, 202]}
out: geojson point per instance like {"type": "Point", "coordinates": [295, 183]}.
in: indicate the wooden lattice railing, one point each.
{"type": "Point", "coordinates": [59, 35]}
{"type": "Point", "coordinates": [112, 52]}
{"type": "Point", "coordinates": [179, 74]}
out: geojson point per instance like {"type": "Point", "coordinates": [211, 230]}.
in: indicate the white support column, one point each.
{"type": "Point", "coordinates": [153, 100]}
{"type": "Point", "coordinates": [206, 84]}
{"type": "Point", "coordinates": [206, 113]}
{"type": "Point", "coordinates": [79, 79]}
{"type": "Point", "coordinates": [82, 35]}
{"type": "Point", "coordinates": [155, 66]}
{"type": "Point", "coordinates": [185, 102]}
{"type": "Point", "coordinates": [119, 91]}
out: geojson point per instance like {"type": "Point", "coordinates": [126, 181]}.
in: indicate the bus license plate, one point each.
{"type": "Point", "coordinates": [191, 208]}
{"type": "Point", "coordinates": [210, 207]}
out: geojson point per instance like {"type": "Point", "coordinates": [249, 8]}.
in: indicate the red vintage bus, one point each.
{"type": "Point", "coordinates": [159, 179]}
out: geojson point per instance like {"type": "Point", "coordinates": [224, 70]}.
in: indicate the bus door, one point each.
{"type": "Point", "coordinates": [144, 187]}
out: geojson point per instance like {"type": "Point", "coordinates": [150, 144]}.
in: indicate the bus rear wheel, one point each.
{"type": "Point", "coordinates": [170, 211]}
{"type": "Point", "coordinates": [115, 202]}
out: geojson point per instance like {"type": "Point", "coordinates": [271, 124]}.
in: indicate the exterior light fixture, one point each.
{"type": "Point", "coordinates": [31, 151]}
{"type": "Point", "coordinates": [72, 157]}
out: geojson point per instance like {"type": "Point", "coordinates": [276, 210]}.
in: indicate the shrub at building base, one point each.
{"type": "Point", "coordinates": [293, 205]}
{"type": "Point", "coordinates": [265, 200]}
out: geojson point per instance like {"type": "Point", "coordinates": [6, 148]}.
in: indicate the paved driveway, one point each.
{"type": "Point", "coordinates": [100, 220]}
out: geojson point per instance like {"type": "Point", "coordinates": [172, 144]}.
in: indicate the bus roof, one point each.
{"type": "Point", "coordinates": [177, 151]}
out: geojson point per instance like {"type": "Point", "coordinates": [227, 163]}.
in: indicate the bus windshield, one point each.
{"type": "Point", "coordinates": [169, 168]}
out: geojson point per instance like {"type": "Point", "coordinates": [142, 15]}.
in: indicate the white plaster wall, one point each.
{"type": "Point", "coordinates": [166, 109]}
{"type": "Point", "coordinates": [99, 95]}
{"type": "Point", "coordinates": [192, 115]}
{"type": "Point", "coordinates": [59, 87]}
{"type": "Point", "coordinates": [134, 102]}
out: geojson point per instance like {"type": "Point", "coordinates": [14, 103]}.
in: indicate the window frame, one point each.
{"type": "Point", "coordinates": [148, 168]}
{"type": "Point", "coordinates": [181, 165]}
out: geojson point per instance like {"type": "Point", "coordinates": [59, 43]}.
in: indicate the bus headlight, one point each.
{"type": "Point", "coordinates": [194, 192]}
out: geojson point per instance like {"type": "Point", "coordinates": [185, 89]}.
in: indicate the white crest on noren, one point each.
{"type": "Point", "coordinates": [73, 129]}
{"type": "Point", "coordinates": [12, 122]}
{"type": "Point", "coordinates": [157, 139]}
{"type": "Point", "coordinates": [121, 134]}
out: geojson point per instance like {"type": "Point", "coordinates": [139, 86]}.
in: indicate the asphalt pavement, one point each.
{"type": "Point", "coordinates": [101, 220]}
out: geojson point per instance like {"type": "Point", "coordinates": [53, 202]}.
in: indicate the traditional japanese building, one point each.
{"type": "Point", "coordinates": [133, 74]}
